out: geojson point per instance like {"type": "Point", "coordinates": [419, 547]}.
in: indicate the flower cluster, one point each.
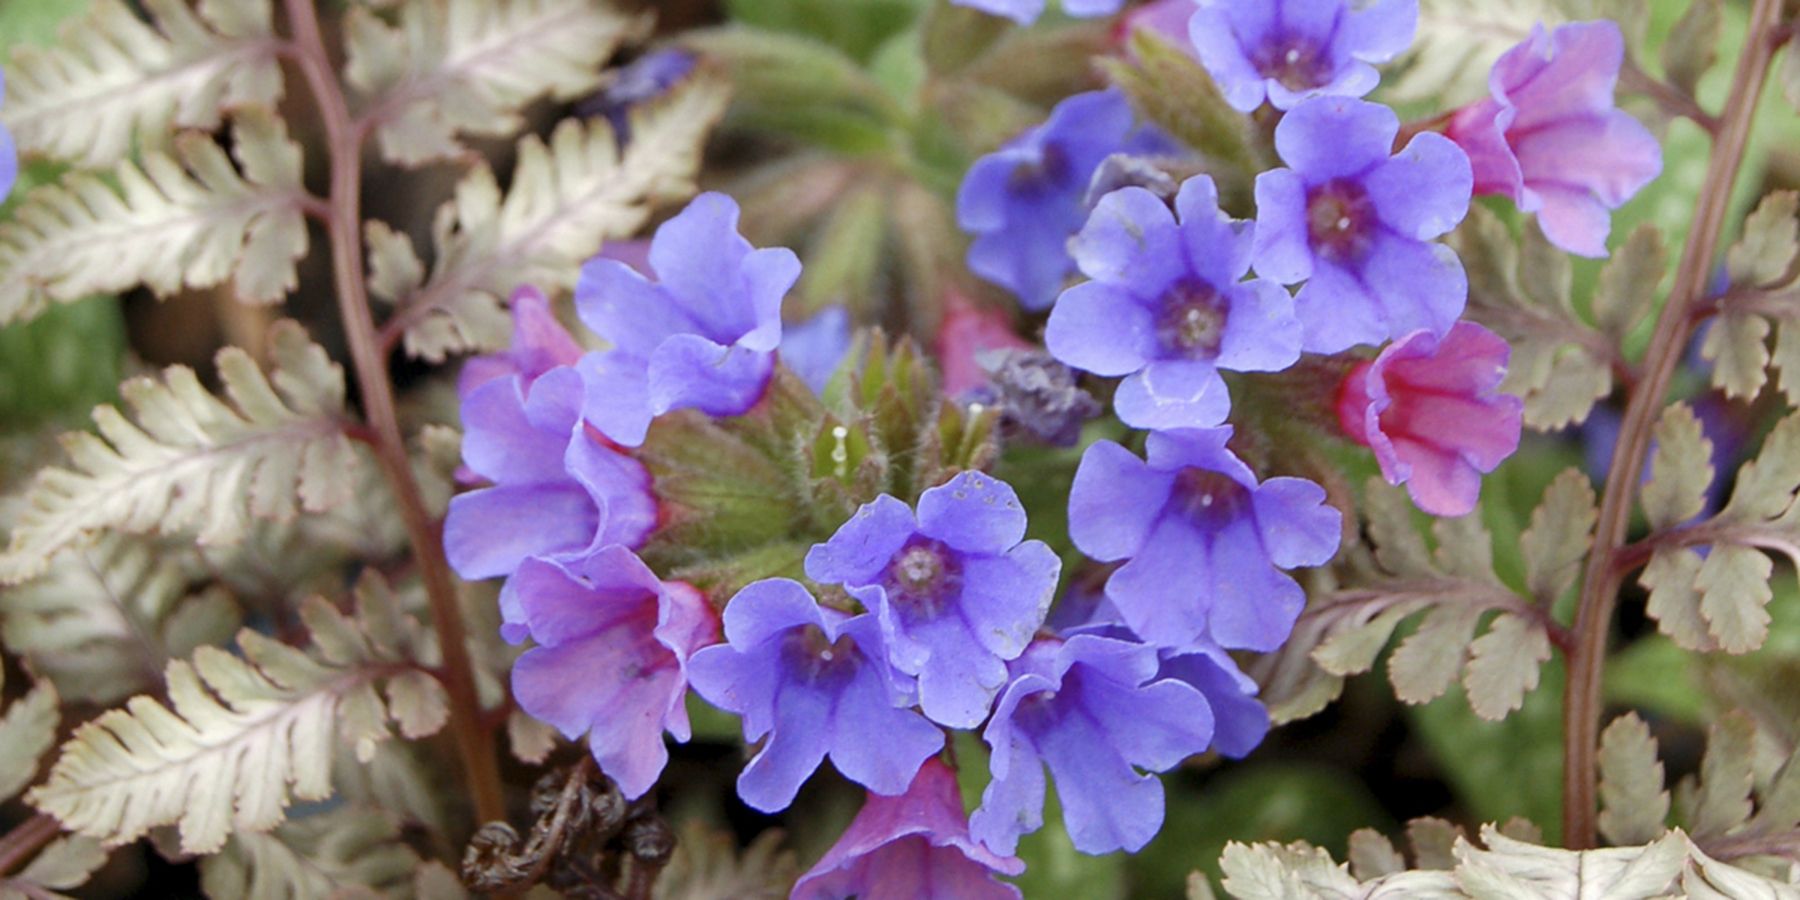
{"type": "Point", "coordinates": [904, 599]}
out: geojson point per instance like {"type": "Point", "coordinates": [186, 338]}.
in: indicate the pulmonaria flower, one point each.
{"type": "Point", "coordinates": [954, 589]}
{"type": "Point", "coordinates": [557, 489]}
{"type": "Point", "coordinates": [816, 682]}
{"type": "Point", "coordinates": [701, 336]}
{"type": "Point", "coordinates": [1205, 544]}
{"type": "Point", "coordinates": [1353, 222]}
{"type": "Point", "coordinates": [611, 661]}
{"type": "Point", "coordinates": [1167, 307]}
{"type": "Point", "coordinates": [1091, 709]}
{"type": "Point", "coordinates": [1026, 12]}
{"type": "Point", "coordinates": [648, 77]}
{"type": "Point", "coordinates": [1240, 721]}
{"type": "Point", "coordinates": [9, 155]}
{"type": "Point", "coordinates": [1023, 201]}
{"type": "Point", "coordinates": [814, 347]}
{"type": "Point", "coordinates": [1038, 397]}
{"type": "Point", "coordinates": [539, 344]}
{"type": "Point", "coordinates": [1433, 413]}
{"type": "Point", "coordinates": [1551, 139]}
{"type": "Point", "coordinates": [964, 336]}
{"type": "Point", "coordinates": [1167, 19]}
{"type": "Point", "coordinates": [1291, 50]}
{"type": "Point", "coordinates": [912, 846]}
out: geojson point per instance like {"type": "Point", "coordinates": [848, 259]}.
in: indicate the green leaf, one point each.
{"type": "Point", "coordinates": [1737, 346]}
{"type": "Point", "coordinates": [1693, 45]}
{"type": "Point", "coordinates": [1628, 282]}
{"type": "Point", "coordinates": [1681, 469]}
{"type": "Point", "coordinates": [456, 67]}
{"type": "Point", "coordinates": [64, 864]}
{"type": "Point", "coordinates": [1789, 74]}
{"type": "Point", "coordinates": [955, 36]}
{"type": "Point", "coordinates": [1499, 769]}
{"type": "Point", "coordinates": [220, 758]}
{"type": "Point", "coordinates": [1634, 803]}
{"type": "Point", "coordinates": [1172, 90]}
{"type": "Point", "coordinates": [1734, 591]}
{"type": "Point", "coordinates": [566, 198]}
{"type": "Point", "coordinates": [1722, 802]}
{"type": "Point", "coordinates": [802, 88]}
{"type": "Point", "coordinates": [194, 461]}
{"type": "Point", "coordinates": [1503, 665]}
{"type": "Point", "coordinates": [114, 82]}
{"type": "Point", "coordinates": [67, 360]}
{"type": "Point", "coordinates": [1559, 537]}
{"type": "Point", "coordinates": [1770, 242]}
{"type": "Point", "coordinates": [191, 220]}
{"type": "Point", "coordinates": [856, 27]}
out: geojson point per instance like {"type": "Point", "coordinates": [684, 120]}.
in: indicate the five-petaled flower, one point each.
{"type": "Point", "coordinates": [1023, 201]}
{"type": "Point", "coordinates": [1551, 139]}
{"type": "Point", "coordinates": [816, 682]}
{"type": "Point", "coordinates": [915, 845]}
{"type": "Point", "coordinates": [613, 643]}
{"type": "Point", "coordinates": [1091, 709]}
{"type": "Point", "coordinates": [1432, 411]}
{"type": "Point", "coordinates": [1291, 50]}
{"type": "Point", "coordinates": [1168, 308]}
{"type": "Point", "coordinates": [702, 336]}
{"type": "Point", "coordinates": [1205, 543]}
{"type": "Point", "coordinates": [1353, 220]}
{"type": "Point", "coordinates": [957, 589]}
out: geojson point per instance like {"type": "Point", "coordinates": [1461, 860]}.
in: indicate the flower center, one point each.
{"type": "Point", "coordinates": [1193, 320]}
{"type": "Point", "coordinates": [1209, 498]}
{"type": "Point", "coordinates": [922, 577]}
{"type": "Point", "coordinates": [813, 657]}
{"type": "Point", "coordinates": [1293, 61]}
{"type": "Point", "coordinates": [1049, 169]}
{"type": "Point", "coordinates": [1339, 219]}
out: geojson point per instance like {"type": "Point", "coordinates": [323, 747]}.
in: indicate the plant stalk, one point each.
{"type": "Point", "coordinates": [23, 842]}
{"type": "Point", "coordinates": [1582, 704]}
{"type": "Point", "coordinates": [344, 223]}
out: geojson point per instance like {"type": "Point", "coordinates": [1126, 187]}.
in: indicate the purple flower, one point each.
{"type": "Point", "coordinates": [1352, 222]}
{"type": "Point", "coordinates": [9, 155]}
{"type": "Point", "coordinates": [1167, 19]}
{"type": "Point", "coordinates": [1433, 413]}
{"type": "Point", "coordinates": [701, 337]}
{"type": "Point", "coordinates": [1026, 12]}
{"type": "Point", "coordinates": [1205, 543]}
{"type": "Point", "coordinates": [1167, 307]}
{"type": "Point", "coordinates": [816, 682]}
{"type": "Point", "coordinates": [1240, 721]}
{"type": "Point", "coordinates": [1552, 140]}
{"type": "Point", "coordinates": [916, 845]}
{"type": "Point", "coordinates": [1023, 201]}
{"type": "Point", "coordinates": [611, 661]}
{"type": "Point", "coordinates": [539, 344]}
{"type": "Point", "coordinates": [648, 77]}
{"type": "Point", "coordinates": [814, 347]}
{"type": "Point", "coordinates": [558, 489]}
{"type": "Point", "coordinates": [1291, 50]}
{"type": "Point", "coordinates": [1090, 709]}
{"type": "Point", "coordinates": [956, 592]}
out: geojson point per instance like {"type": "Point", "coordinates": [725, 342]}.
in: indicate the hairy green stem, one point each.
{"type": "Point", "coordinates": [23, 842]}
{"type": "Point", "coordinates": [1582, 704]}
{"type": "Point", "coordinates": [474, 744]}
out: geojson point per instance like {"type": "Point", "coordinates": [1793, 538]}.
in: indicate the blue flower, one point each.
{"type": "Point", "coordinates": [1290, 50]}
{"type": "Point", "coordinates": [1024, 201]}
{"type": "Point", "coordinates": [1353, 221]}
{"type": "Point", "coordinates": [1091, 709]}
{"type": "Point", "coordinates": [611, 661]}
{"type": "Point", "coordinates": [814, 347]}
{"type": "Point", "coordinates": [816, 682]}
{"type": "Point", "coordinates": [1205, 543]}
{"type": "Point", "coordinates": [956, 592]}
{"type": "Point", "coordinates": [702, 336]}
{"type": "Point", "coordinates": [1026, 12]}
{"type": "Point", "coordinates": [1167, 307]}
{"type": "Point", "coordinates": [9, 155]}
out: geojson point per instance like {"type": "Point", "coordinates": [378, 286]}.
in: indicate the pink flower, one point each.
{"type": "Point", "coordinates": [539, 344]}
{"type": "Point", "coordinates": [1167, 19]}
{"type": "Point", "coordinates": [1432, 412]}
{"type": "Point", "coordinates": [1552, 140]}
{"type": "Point", "coordinates": [909, 846]}
{"type": "Point", "coordinates": [964, 335]}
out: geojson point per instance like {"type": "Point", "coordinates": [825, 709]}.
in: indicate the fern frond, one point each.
{"type": "Point", "coordinates": [189, 220]}
{"type": "Point", "coordinates": [104, 619]}
{"type": "Point", "coordinates": [114, 79]}
{"type": "Point", "coordinates": [1458, 42]}
{"type": "Point", "coordinates": [27, 729]}
{"type": "Point", "coordinates": [566, 198]}
{"type": "Point", "coordinates": [347, 852]}
{"type": "Point", "coordinates": [237, 734]}
{"type": "Point", "coordinates": [451, 67]}
{"type": "Point", "coordinates": [193, 462]}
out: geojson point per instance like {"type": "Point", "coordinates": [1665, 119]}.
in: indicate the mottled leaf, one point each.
{"type": "Point", "coordinates": [1734, 591]}
{"type": "Point", "coordinates": [1770, 242]}
{"type": "Point", "coordinates": [1737, 345]}
{"type": "Point", "coordinates": [1432, 841]}
{"type": "Point", "coordinates": [1425, 664]}
{"type": "Point", "coordinates": [1372, 855]}
{"type": "Point", "coordinates": [1503, 665]}
{"type": "Point", "coordinates": [1559, 536]}
{"type": "Point", "coordinates": [27, 729]}
{"type": "Point", "coordinates": [1634, 803]}
{"type": "Point", "coordinates": [1681, 469]}
{"type": "Point", "coordinates": [1722, 801]}
{"type": "Point", "coordinates": [346, 852]}
{"type": "Point", "coordinates": [1629, 281]}
{"type": "Point", "coordinates": [1675, 600]}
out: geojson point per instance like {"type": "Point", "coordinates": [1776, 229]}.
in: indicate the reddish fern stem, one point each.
{"type": "Point", "coordinates": [474, 743]}
{"type": "Point", "coordinates": [1582, 703]}
{"type": "Point", "coordinates": [23, 842]}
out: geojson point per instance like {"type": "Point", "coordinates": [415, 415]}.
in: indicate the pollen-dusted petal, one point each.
{"type": "Point", "coordinates": [974, 513]}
